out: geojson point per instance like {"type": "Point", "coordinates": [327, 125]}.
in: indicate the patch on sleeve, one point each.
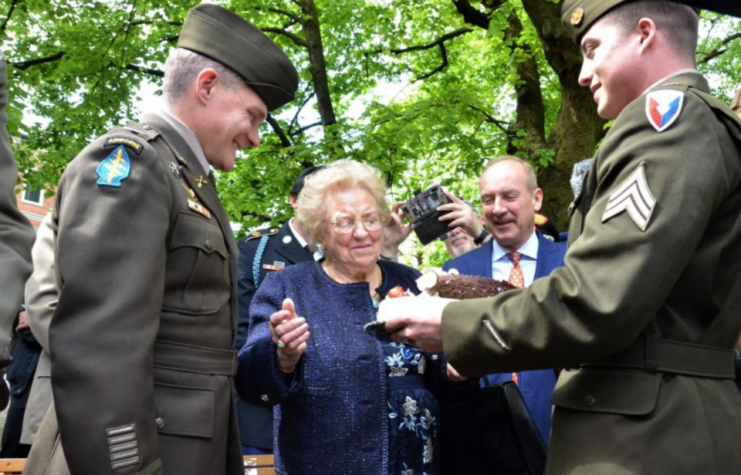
{"type": "Point", "coordinates": [135, 146]}
{"type": "Point", "coordinates": [632, 196]}
{"type": "Point", "coordinates": [663, 108]}
{"type": "Point", "coordinates": [115, 168]}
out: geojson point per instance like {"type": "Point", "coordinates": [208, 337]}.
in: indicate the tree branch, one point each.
{"type": "Point", "coordinates": [471, 15]}
{"type": "Point", "coordinates": [444, 53]}
{"type": "Point", "coordinates": [290, 15]}
{"type": "Point", "coordinates": [305, 128]}
{"type": "Point", "coordinates": [292, 36]}
{"type": "Point", "coordinates": [284, 140]}
{"type": "Point", "coordinates": [7, 18]}
{"type": "Point", "coordinates": [437, 42]}
{"type": "Point", "coordinates": [504, 127]}
{"type": "Point", "coordinates": [720, 49]}
{"type": "Point", "coordinates": [152, 22]}
{"type": "Point", "coordinates": [23, 65]}
{"type": "Point", "coordinates": [141, 69]}
{"type": "Point", "coordinates": [303, 104]}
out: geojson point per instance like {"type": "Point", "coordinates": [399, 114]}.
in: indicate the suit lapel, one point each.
{"type": "Point", "coordinates": [483, 266]}
{"type": "Point", "coordinates": [291, 251]}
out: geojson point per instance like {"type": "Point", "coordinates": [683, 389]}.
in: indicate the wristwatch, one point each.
{"type": "Point", "coordinates": [482, 237]}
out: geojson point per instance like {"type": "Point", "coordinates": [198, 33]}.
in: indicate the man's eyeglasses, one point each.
{"type": "Point", "coordinates": [344, 223]}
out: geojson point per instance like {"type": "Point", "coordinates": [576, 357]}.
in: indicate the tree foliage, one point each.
{"type": "Point", "coordinates": [427, 91]}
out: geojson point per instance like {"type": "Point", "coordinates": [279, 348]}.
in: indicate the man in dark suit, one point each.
{"type": "Point", "coordinates": [510, 199]}
{"type": "Point", "coordinates": [143, 334]}
{"type": "Point", "coordinates": [16, 233]}
{"type": "Point", "coordinates": [264, 251]}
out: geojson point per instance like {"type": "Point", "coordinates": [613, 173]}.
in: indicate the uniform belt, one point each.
{"type": "Point", "coordinates": [663, 356]}
{"type": "Point", "coordinates": [194, 359]}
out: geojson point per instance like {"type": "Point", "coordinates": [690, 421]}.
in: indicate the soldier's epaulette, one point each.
{"type": "Point", "coordinates": [262, 232]}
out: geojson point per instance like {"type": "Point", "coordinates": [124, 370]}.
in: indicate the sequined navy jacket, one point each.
{"type": "Point", "coordinates": [328, 420]}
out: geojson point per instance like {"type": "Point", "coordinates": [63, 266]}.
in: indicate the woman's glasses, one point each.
{"type": "Point", "coordinates": [344, 223]}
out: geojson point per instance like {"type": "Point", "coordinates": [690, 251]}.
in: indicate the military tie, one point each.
{"type": "Point", "coordinates": [517, 279]}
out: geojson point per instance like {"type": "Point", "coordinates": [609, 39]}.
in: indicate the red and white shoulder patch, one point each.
{"type": "Point", "coordinates": [663, 108]}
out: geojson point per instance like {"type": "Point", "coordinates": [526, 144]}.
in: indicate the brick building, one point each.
{"type": "Point", "coordinates": [33, 204]}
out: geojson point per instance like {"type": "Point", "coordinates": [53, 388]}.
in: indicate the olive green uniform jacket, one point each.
{"type": "Point", "coordinates": [625, 292]}
{"type": "Point", "coordinates": [142, 340]}
{"type": "Point", "coordinates": [16, 233]}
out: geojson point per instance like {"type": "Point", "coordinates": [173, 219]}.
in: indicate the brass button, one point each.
{"type": "Point", "coordinates": [160, 423]}
{"type": "Point", "coordinates": [264, 397]}
{"type": "Point", "coordinates": [209, 244]}
{"type": "Point", "coordinates": [589, 401]}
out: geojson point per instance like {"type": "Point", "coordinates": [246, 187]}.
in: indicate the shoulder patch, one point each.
{"type": "Point", "coordinates": [633, 196]}
{"type": "Point", "coordinates": [132, 144]}
{"type": "Point", "coordinates": [262, 232]}
{"type": "Point", "coordinates": [663, 108]}
{"type": "Point", "coordinates": [115, 168]}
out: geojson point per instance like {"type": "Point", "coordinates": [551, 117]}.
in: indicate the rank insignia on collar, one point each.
{"type": "Point", "coordinates": [115, 168]}
{"type": "Point", "coordinates": [199, 208]}
{"type": "Point", "coordinates": [663, 108]}
{"type": "Point", "coordinates": [175, 169]}
{"type": "Point", "coordinates": [633, 196]}
{"type": "Point", "coordinates": [200, 181]}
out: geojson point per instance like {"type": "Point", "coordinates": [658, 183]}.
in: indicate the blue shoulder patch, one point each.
{"type": "Point", "coordinates": [115, 168]}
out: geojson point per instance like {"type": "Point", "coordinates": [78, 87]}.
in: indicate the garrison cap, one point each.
{"type": "Point", "coordinates": [299, 184]}
{"type": "Point", "coordinates": [578, 15]}
{"type": "Point", "coordinates": [226, 37]}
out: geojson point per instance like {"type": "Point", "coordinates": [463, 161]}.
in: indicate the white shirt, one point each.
{"type": "Point", "coordinates": [189, 137]}
{"type": "Point", "coordinates": [502, 265]}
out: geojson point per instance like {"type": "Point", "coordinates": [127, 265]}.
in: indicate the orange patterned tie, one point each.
{"type": "Point", "coordinates": [516, 277]}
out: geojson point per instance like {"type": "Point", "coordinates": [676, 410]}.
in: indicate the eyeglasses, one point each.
{"type": "Point", "coordinates": [344, 223]}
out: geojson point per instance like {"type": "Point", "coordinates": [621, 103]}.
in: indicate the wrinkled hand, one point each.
{"type": "Point", "coordinates": [291, 332]}
{"type": "Point", "coordinates": [415, 319]}
{"type": "Point", "coordinates": [454, 375]}
{"type": "Point", "coordinates": [395, 232]}
{"type": "Point", "coordinates": [460, 215]}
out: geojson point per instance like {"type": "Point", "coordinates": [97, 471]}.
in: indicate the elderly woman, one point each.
{"type": "Point", "coordinates": [345, 403]}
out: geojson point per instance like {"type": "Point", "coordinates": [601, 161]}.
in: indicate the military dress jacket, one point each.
{"type": "Point", "coordinates": [142, 341]}
{"type": "Point", "coordinates": [16, 233]}
{"type": "Point", "coordinates": [263, 252]}
{"type": "Point", "coordinates": [645, 309]}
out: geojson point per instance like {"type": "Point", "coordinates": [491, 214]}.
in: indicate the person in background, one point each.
{"type": "Point", "coordinates": [518, 253]}
{"type": "Point", "coordinates": [345, 403]}
{"type": "Point", "coordinates": [25, 351]}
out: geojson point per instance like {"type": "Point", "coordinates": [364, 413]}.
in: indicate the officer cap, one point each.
{"type": "Point", "coordinates": [299, 184]}
{"type": "Point", "coordinates": [578, 15]}
{"type": "Point", "coordinates": [224, 36]}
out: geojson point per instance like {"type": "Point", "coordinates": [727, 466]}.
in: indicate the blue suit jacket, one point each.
{"type": "Point", "coordinates": [536, 386]}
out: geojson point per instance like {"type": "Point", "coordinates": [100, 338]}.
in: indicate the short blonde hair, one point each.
{"type": "Point", "coordinates": [312, 208]}
{"type": "Point", "coordinates": [532, 180]}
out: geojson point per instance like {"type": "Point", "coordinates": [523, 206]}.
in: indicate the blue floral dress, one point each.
{"type": "Point", "coordinates": [413, 414]}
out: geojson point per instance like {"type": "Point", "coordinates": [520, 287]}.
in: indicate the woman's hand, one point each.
{"type": "Point", "coordinates": [290, 333]}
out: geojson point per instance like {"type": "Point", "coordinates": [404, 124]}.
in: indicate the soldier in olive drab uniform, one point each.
{"type": "Point", "coordinates": [142, 340]}
{"type": "Point", "coordinates": [645, 311]}
{"type": "Point", "coordinates": [16, 234]}
{"type": "Point", "coordinates": [262, 252]}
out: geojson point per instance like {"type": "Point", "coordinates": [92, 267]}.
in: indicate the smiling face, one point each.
{"type": "Point", "coordinates": [229, 122]}
{"type": "Point", "coordinates": [359, 249]}
{"type": "Point", "coordinates": [612, 67]}
{"type": "Point", "coordinates": [508, 205]}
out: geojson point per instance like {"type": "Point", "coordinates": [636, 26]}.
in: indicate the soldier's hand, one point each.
{"type": "Point", "coordinates": [454, 375]}
{"type": "Point", "coordinates": [416, 320]}
{"type": "Point", "coordinates": [289, 333]}
{"type": "Point", "coordinates": [459, 214]}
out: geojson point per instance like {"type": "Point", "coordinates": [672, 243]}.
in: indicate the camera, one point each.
{"type": "Point", "coordinates": [421, 211]}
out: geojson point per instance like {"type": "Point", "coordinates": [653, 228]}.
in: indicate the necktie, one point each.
{"type": "Point", "coordinates": [516, 277]}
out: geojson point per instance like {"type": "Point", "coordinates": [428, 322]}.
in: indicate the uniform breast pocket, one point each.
{"type": "Point", "coordinates": [197, 276]}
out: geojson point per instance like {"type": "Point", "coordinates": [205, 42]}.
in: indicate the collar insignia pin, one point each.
{"type": "Point", "coordinates": [200, 181]}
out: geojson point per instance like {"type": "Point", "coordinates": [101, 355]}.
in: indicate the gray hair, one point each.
{"type": "Point", "coordinates": [183, 66]}
{"type": "Point", "coordinates": [312, 209]}
{"type": "Point", "coordinates": [680, 22]}
{"type": "Point", "coordinates": [532, 180]}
